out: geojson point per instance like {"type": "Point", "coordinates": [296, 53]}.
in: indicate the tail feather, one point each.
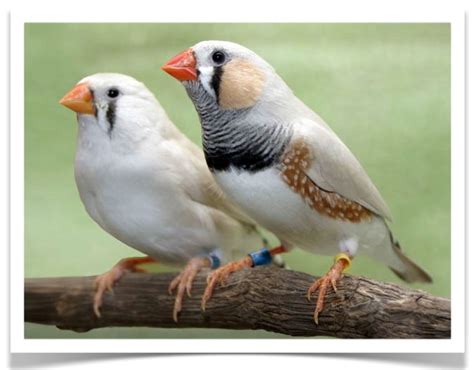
{"type": "Point", "coordinates": [411, 272]}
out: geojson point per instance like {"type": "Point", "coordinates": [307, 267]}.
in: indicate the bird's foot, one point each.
{"type": "Point", "coordinates": [184, 282]}
{"type": "Point", "coordinates": [106, 281]}
{"type": "Point", "coordinates": [342, 261]}
{"type": "Point", "coordinates": [220, 276]}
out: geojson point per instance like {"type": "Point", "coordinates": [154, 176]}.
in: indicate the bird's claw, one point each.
{"type": "Point", "coordinates": [220, 275]}
{"type": "Point", "coordinates": [184, 281]}
{"type": "Point", "coordinates": [323, 283]}
{"type": "Point", "coordinates": [105, 282]}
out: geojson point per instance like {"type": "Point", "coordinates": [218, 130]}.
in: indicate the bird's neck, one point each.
{"type": "Point", "coordinates": [232, 141]}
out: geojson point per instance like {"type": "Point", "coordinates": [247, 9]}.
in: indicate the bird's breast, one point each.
{"type": "Point", "coordinates": [265, 197]}
{"type": "Point", "coordinates": [139, 203]}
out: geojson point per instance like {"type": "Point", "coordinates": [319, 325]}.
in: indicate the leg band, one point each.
{"type": "Point", "coordinates": [215, 261]}
{"type": "Point", "coordinates": [261, 257]}
{"type": "Point", "coordinates": [345, 257]}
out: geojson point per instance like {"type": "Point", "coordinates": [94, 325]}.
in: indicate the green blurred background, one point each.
{"type": "Point", "coordinates": [383, 88]}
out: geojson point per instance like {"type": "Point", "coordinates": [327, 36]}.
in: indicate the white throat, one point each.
{"type": "Point", "coordinates": [205, 75]}
{"type": "Point", "coordinates": [101, 119]}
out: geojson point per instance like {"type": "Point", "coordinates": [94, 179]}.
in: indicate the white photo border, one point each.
{"type": "Point", "coordinates": [18, 344]}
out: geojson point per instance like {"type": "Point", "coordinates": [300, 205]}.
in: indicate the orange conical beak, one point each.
{"type": "Point", "coordinates": [79, 99]}
{"type": "Point", "coordinates": [182, 66]}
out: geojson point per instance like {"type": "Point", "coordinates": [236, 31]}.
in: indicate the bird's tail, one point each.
{"type": "Point", "coordinates": [408, 270]}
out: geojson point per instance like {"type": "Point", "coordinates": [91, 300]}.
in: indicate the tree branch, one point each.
{"type": "Point", "coordinates": [261, 298]}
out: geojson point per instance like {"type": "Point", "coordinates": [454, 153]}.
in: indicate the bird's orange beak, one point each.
{"type": "Point", "coordinates": [79, 99]}
{"type": "Point", "coordinates": [182, 66]}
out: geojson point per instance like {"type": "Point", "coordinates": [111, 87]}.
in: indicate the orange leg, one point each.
{"type": "Point", "coordinates": [184, 282]}
{"type": "Point", "coordinates": [277, 250]}
{"type": "Point", "coordinates": [107, 280]}
{"type": "Point", "coordinates": [342, 262]}
{"type": "Point", "coordinates": [221, 274]}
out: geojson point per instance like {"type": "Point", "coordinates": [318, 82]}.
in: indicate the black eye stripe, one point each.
{"type": "Point", "coordinates": [110, 114]}
{"type": "Point", "coordinates": [216, 81]}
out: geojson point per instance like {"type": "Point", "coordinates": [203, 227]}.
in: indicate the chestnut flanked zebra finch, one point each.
{"type": "Point", "coordinates": [284, 166]}
{"type": "Point", "coordinates": [147, 185]}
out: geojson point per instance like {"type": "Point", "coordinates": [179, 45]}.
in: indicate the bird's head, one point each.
{"type": "Point", "coordinates": [226, 73]}
{"type": "Point", "coordinates": [114, 105]}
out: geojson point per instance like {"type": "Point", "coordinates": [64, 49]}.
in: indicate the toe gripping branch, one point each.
{"type": "Point", "coordinates": [261, 257]}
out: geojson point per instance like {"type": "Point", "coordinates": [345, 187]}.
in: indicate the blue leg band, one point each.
{"type": "Point", "coordinates": [215, 261]}
{"type": "Point", "coordinates": [261, 257]}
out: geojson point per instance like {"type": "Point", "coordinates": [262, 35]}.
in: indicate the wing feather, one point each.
{"type": "Point", "coordinates": [334, 168]}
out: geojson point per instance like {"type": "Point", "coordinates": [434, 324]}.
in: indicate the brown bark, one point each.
{"type": "Point", "coordinates": [261, 298]}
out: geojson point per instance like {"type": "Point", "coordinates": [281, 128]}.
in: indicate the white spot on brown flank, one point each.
{"type": "Point", "coordinates": [241, 84]}
{"type": "Point", "coordinates": [295, 162]}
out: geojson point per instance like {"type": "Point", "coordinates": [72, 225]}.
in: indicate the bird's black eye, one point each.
{"type": "Point", "coordinates": [112, 93]}
{"type": "Point", "coordinates": [218, 57]}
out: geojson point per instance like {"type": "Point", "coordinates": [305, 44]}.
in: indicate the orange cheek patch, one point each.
{"type": "Point", "coordinates": [241, 84]}
{"type": "Point", "coordinates": [295, 162]}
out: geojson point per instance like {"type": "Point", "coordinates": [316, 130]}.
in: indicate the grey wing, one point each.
{"type": "Point", "coordinates": [334, 168]}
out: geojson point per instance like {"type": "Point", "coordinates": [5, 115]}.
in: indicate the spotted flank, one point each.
{"type": "Point", "coordinates": [294, 163]}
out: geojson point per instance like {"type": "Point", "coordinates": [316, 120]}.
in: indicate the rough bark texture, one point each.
{"type": "Point", "coordinates": [261, 298]}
